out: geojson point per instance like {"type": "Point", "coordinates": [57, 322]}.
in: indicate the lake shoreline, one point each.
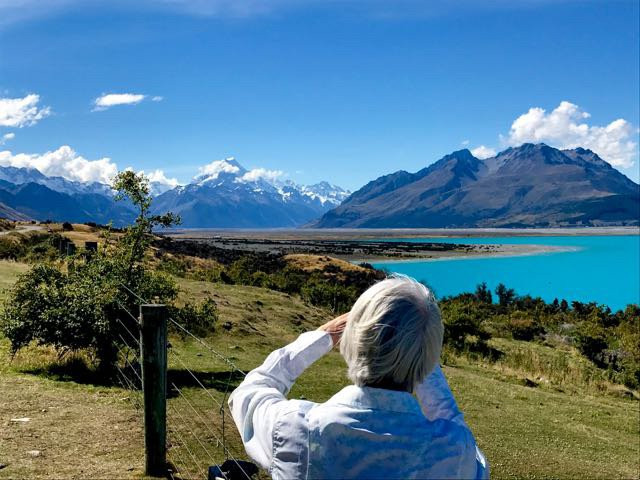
{"type": "Point", "coordinates": [374, 250]}
{"type": "Point", "coordinates": [379, 233]}
{"type": "Point", "coordinates": [501, 251]}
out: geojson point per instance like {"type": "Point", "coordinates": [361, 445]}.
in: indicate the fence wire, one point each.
{"type": "Point", "coordinates": [200, 430]}
{"type": "Point", "coordinates": [202, 399]}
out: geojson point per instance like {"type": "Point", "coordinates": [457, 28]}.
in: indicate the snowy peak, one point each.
{"type": "Point", "coordinates": [227, 169]}
{"type": "Point", "coordinates": [257, 197]}
{"type": "Point", "coordinates": [24, 175]}
{"type": "Point", "coordinates": [326, 193]}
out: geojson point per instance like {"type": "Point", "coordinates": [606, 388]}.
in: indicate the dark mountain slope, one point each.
{"type": "Point", "coordinates": [39, 202]}
{"type": "Point", "coordinates": [531, 185]}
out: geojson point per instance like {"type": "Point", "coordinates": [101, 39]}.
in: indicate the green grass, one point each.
{"type": "Point", "coordinates": [568, 426]}
{"type": "Point", "coordinates": [9, 272]}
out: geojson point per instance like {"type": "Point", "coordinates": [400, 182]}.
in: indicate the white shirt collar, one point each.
{"type": "Point", "coordinates": [377, 399]}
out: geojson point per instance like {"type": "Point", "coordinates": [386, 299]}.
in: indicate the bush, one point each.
{"type": "Point", "coordinates": [11, 248]}
{"type": "Point", "coordinates": [80, 305]}
{"type": "Point", "coordinates": [76, 309]}
{"type": "Point", "coordinates": [67, 227]}
{"type": "Point", "coordinates": [523, 327]}
{"type": "Point", "coordinates": [463, 328]}
{"type": "Point", "coordinates": [198, 319]}
{"type": "Point", "coordinates": [506, 296]}
{"type": "Point", "coordinates": [338, 298]}
{"type": "Point", "coordinates": [591, 340]}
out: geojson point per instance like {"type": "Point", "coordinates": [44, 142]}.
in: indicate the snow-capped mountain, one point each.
{"type": "Point", "coordinates": [327, 193]}
{"type": "Point", "coordinates": [224, 194]}
{"type": "Point", "coordinates": [26, 193]}
{"type": "Point", "coordinates": [227, 195]}
{"type": "Point", "coordinates": [22, 175]}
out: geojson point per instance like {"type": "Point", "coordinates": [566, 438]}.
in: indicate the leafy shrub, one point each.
{"type": "Point", "coordinates": [483, 294]}
{"type": "Point", "coordinates": [338, 298]}
{"type": "Point", "coordinates": [591, 340]}
{"type": "Point", "coordinates": [463, 327]}
{"type": "Point", "coordinates": [523, 326]}
{"type": "Point", "coordinates": [10, 248]}
{"type": "Point", "coordinates": [198, 319]}
{"type": "Point", "coordinates": [506, 296]}
{"type": "Point", "coordinates": [80, 305]}
{"type": "Point", "coordinates": [76, 309]}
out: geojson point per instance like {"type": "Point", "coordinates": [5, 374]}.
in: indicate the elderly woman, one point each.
{"type": "Point", "coordinates": [399, 418]}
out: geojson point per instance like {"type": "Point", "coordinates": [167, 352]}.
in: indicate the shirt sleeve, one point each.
{"type": "Point", "coordinates": [437, 403]}
{"type": "Point", "coordinates": [260, 399]}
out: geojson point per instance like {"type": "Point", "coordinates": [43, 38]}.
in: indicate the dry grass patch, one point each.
{"type": "Point", "coordinates": [73, 431]}
{"type": "Point", "coordinates": [321, 263]}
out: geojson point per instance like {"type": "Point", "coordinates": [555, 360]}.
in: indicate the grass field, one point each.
{"type": "Point", "coordinates": [564, 427]}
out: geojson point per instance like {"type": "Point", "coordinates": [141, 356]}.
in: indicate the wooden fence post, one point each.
{"type": "Point", "coordinates": [153, 350]}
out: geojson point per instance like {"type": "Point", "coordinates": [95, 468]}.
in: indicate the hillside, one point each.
{"type": "Point", "coordinates": [540, 430]}
{"type": "Point", "coordinates": [527, 186]}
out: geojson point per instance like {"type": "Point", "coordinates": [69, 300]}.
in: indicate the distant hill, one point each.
{"type": "Point", "coordinates": [231, 198]}
{"type": "Point", "coordinates": [527, 186]}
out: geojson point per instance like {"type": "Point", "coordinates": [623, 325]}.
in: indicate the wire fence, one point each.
{"type": "Point", "coordinates": [200, 429]}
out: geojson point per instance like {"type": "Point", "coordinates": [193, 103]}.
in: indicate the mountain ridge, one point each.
{"type": "Point", "coordinates": [529, 185]}
{"type": "Point", "coordinates": [225, 195]}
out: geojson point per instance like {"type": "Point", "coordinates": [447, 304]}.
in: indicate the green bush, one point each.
{"type": "Point", "coordinates": [198, 319]}
{"type": "Point", "coordinates": [463, 327]}
{"type": "Point", "coordinates": [11, 248]}
{"type": "Point", "coordinates": [81, 304]}
{"type": "Point", "coordinates": [523, 326]}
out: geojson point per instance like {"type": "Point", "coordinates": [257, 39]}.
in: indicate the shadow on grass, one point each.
{"type": "Point", "coordinates": [78, 371]}
{"type": "Point", "coordinates": [75, 370]}
{"type": "Point", "coordinates": [221, 381]}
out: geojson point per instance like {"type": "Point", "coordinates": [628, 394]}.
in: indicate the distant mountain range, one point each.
{"type": "Point", "coordinates": [230, 197]}
{"type": "Point", "coordinates": [25, 193]}
{"type": "Point", "coordinates": [527, 186]}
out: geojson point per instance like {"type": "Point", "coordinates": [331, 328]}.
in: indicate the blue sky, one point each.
{"type": "Point", "coordinates": [342, 90]}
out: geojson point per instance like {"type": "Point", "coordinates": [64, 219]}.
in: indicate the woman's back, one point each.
{"type": "Point", "coordinates": [373, 433]}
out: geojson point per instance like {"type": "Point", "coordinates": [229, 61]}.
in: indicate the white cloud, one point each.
{"type": "Point", "coordinates": [113, 99]}
{"type": "Point", "coordinates": [158, 176]}
{"type": "Point", "coordinates": [63, 162]}
{"type": "Point", "coordinates": [566, 127]}
{"type": "Point", "coordinates": [215, 168]}
{"type": "Point", "coordinates": [261, 174]}
{"type": "Point", "coordinates": [22, 112]}
{"type": "Point", "coordinates": [465, 142]}
{"type": "Point", "coordinates": [483, 152]}
{"type": "Point", "coordinates": [157, 98]}
{"type": "Point", "coordinates": [6, 137]}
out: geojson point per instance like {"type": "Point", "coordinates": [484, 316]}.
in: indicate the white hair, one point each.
{"type": "Point", "coordinates": [393, 336]}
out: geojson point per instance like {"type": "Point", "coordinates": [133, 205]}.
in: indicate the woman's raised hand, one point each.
{"type": "Point", "coordinates": [335, 327]}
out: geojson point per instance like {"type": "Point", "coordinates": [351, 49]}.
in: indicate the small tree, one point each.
{"type": "Point", "coordinates": [483, 294]}
{"type": "Point", "coordinates": [137, 237]}
{"type": "Point", "coordinates": [506, 296]}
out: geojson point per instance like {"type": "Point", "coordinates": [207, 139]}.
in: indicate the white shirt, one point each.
{"type": "Point", "coordinates": [360, 432]}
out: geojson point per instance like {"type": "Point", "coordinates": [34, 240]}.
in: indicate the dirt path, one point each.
{"type": "Point", "coordinates": [73, 431]}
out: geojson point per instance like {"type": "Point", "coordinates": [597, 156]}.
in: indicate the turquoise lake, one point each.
{"type": "Point", "coordinates": [603, 269]}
